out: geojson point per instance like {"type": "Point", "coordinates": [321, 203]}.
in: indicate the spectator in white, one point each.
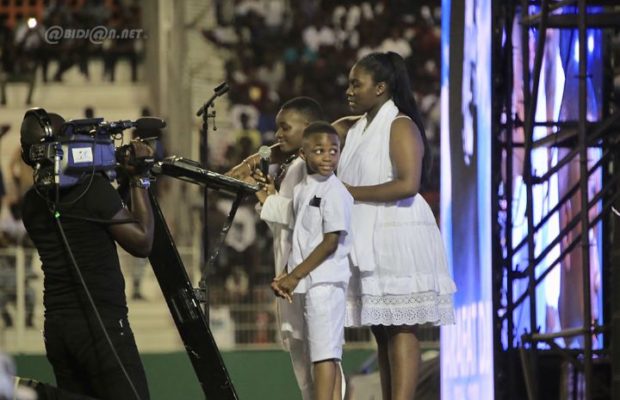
{"type": "Point", "coordinates": [352, 15]}
{"type": "Point", "coordinates": [29, 35]}
{"type": "Point", "coordinates": [238, 109]}
{"type": "Point", "coordinates": [427, 15]}
{"type": "Point", "coordinates": [28, 40]}
{"type": "Point", "coordinates": [345, 37]}
{"type": "Point", "coordinates": [396, 43]}
{"type": "Point", "coordinates": [7, 376]}
{"type": "Point", "coordinates": [242, 234]}
{"type": "Point", "coordinates": [339, 12]}
{"type": "Point", "coordinates": [245, 7]}
{"type": "Point", "coordinates": [12, 226]}
{"type": "Point", "coordinates": [272, 72]}
{"type": "Point", "coordinates": [237, 283]}
{"type": "Point", "coordinates": [430, 107]}
{"type": "Point", "coordinates": [318, 34]}
{"type": "Point", "coordinates": [13, 233]}
{"type": "Point", "coordinates": [222, 35]}
{"type": "Point", "coordinates": [367, 13]}
{"type": "Point", "coordinates": [274, 14]}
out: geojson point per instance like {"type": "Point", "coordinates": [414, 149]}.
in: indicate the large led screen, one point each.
{"type": "Point", "coordinates": [467, 346]}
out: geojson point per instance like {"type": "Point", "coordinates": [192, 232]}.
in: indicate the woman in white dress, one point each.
{"type": "Point", "coordinates": [400, 277]}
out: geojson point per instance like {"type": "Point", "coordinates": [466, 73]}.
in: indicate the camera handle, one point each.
{"type": "Point", "coordinates": [208, 263]}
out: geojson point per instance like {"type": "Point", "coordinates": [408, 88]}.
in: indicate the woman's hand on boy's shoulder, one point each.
{"type": "Point", "coordinates": [343, 125]}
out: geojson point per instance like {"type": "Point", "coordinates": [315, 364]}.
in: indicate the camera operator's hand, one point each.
{"type": "Point", "coordinates": [136, 238]}
{"type": "Point", "coordinates": [133, 158]}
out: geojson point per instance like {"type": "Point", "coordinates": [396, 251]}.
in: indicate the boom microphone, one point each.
{"type": "Point", "coordinates": [144, 123]}
{"type": "Point", "coordinates": [150, 123]}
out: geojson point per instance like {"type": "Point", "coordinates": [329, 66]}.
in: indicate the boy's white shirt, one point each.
{"type": "Point", "coordinates": [321, 205]}
{"type": "Point", "coordinates": [277, 212]}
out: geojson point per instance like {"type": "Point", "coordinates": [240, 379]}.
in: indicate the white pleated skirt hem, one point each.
{"type": "Point", "coordinates": [411, 309]}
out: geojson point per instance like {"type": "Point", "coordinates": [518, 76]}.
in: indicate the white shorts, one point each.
{"type": "Point", "coordinates": [324, 314]}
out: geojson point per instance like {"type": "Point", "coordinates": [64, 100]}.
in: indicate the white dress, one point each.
{"type": "Point", "coordinates": [399, 269]}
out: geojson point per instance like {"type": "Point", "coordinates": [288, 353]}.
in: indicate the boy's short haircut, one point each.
{"type": "Point", "coordinates": [306, 106]}
{"type": "Point", "coordinates": [319, 127]}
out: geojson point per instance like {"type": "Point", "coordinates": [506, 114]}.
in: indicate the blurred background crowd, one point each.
{"type": "Point", "coordinates": [273, 50]}
{"type": "Point", "coordinates": [279, 52]}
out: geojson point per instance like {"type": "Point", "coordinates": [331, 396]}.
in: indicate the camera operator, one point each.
{"type": "Point", "coordinates": [93, 217]}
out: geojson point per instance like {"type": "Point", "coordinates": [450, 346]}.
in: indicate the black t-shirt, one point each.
{"type": "Point", "coordinates": [93, 248]}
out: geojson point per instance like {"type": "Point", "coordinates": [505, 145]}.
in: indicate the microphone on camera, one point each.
{"type": "Point", "coordinates": [265, 153]}
{"type": "Point", "coordinates": [144, 123]}
{"type": "Point", "coordinates": [150, 123]}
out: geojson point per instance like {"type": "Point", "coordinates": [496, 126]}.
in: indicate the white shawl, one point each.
{"type": "Point", "coordinates": [365, 161]}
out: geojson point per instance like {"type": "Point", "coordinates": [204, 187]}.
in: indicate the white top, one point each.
{"type": "Point", "coordinates": [401, 238]}
{"type": "Point", "coordinates": [277, 212]}
{"type": "Point", "coordinates": [321, 205]}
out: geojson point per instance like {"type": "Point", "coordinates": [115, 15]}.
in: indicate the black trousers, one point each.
{"type": "Point", "coordinates": [83, 362]}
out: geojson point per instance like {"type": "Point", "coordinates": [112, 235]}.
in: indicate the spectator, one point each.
{"type": "Point", "coordinates": [396, 43]}
{"type": "Point", "coordinates": [89, 112]}
{"type": "Point", "coordinates": [319, 34]}
{"type": "Point", "coordinates": [7, 376]}
{"type": "Point", "coordinates": [249, 132]}
{"type": "Point", "coordinates": [13, 233]}
{"type": "Point", "coordinates": [123, 47]}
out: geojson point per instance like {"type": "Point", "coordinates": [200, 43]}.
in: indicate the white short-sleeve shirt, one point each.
{"type": "Point", "coordinates": [321, 205]}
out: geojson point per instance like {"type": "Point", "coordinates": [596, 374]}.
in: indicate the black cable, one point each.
{"type": "Point", "coordinates": [93, 171]}
{"type": "Point", "coordinates": [56, 216]}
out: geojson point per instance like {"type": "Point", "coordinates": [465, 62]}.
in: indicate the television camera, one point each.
{"type": "Point", "coordinates": [75, 149]}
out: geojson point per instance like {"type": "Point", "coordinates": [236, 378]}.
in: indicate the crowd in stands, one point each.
{"type": "Point", "coordinates": [280, 50]}
{"type": "Point", "coordinates": [13, 234]}
{"type": "Point", "coordinates": [28, 55]}
{"type": "Point", "coordinates": [25, 49]}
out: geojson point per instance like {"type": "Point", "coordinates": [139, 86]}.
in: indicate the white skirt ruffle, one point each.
{"type": "Point", "coordinates": [414, 308]}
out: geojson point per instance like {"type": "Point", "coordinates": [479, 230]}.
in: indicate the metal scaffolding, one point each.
{"type": "Point", "coordinates": [574, 138]}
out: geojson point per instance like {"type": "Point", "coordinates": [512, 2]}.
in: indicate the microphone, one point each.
{"type": "Point", "coordinates": [58, 154]}
{"type": "Point", "coordinates": [150, 123]}
{"type": "Point", "coordinates": [264, 152]}
{"type": "Point", "coordinates": [144, 123]}
{"type": "Point", "coordinates": [219, 90]}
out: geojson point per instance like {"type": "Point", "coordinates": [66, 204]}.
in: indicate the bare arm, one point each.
{"type": "Point", "coordinates": [246, 167]}
{"type": "Point", "coordinates": [268, 186]}
{"type": "Point", "coordinates": [135, 237]}
{"type": "Point", "coordinates": [287, 283]}
{"type": "Point", "coordinates": [343, 125]}
{"type": "Point", "coordinates": [406, 153]}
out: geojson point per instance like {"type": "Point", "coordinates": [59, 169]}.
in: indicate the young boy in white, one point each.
{"type": "Point", "coordinates": [277, 211]}
{"type": "Point", "coordinates": [317, 273]}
